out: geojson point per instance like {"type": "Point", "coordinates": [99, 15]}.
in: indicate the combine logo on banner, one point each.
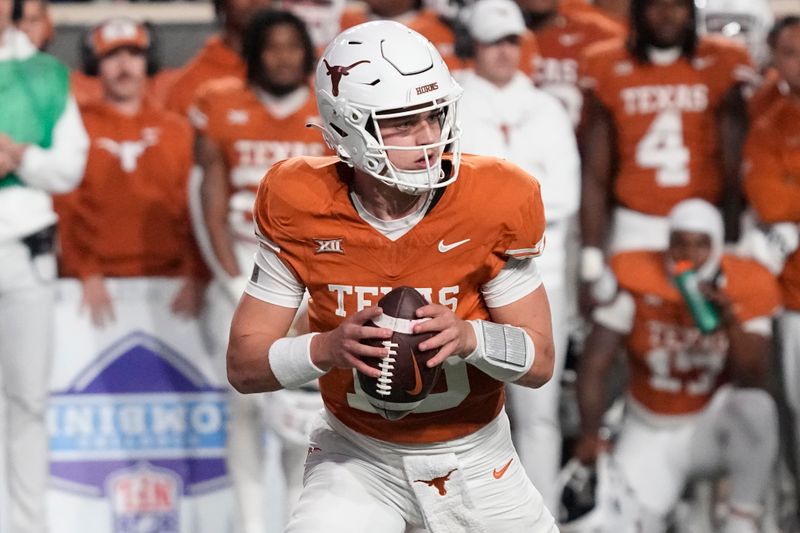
{"type": "Point", "coordinates": [141, 427]}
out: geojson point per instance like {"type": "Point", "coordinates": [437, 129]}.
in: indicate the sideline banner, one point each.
{"type": "Point", "coordinates": [137, 418]}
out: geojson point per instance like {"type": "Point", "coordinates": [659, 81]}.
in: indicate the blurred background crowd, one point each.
{"type": "Point", "coordinates": [152, 139]}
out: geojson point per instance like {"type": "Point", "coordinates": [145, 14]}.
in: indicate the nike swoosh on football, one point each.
{"type": "Point", "coordinates": [447, 247]}
{"type": "Point", "coordinates": [497, 474]}
{"type": "Point", "coordinates": [417, 377]}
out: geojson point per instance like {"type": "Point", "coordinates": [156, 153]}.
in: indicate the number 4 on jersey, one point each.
{"type": "Point", "coordinates": [662, 148]}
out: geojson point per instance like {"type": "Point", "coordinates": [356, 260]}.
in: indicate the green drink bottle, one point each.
{"type": "Point", "coordinates": [705, 315]}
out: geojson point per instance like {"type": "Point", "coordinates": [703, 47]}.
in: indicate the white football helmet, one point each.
{"type": "Point", "coordinates": [597, 499]}
{"type": "Point", "coordinates": [380, 70]}
{"type": "Point", "coordinates": [748, 21]}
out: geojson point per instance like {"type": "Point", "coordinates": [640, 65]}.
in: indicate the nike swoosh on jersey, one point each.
{"type": "Point", "coordinates": [444, 248]}
{"type": "Point", "coordinates": [497, 474]}
{"type": "Point", "coordinates": [417, 376]}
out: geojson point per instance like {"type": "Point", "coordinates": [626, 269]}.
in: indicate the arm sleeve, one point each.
{"type": "Point", "coordinates": [272, 281]}
{"type": "Point", "coordinates": [58, 168]}
{"type": "Point", "coordinates": [518, 278]}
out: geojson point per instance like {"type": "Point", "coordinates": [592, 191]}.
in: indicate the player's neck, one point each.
{"type": "Point", "coordinates": [383, 201]}
{"type": "Point", "coordinates": [124, 106]}
{"type": "Point", "coordinates": [232, 39]}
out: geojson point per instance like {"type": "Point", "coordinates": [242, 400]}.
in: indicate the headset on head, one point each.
{"type": "Point", "coordinates": [89, 59]}
{"type": "Point", "coordinates": [16, 13]}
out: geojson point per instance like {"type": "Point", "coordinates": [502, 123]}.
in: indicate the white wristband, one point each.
{"type": "Point", "coordinates": [290, 361]}
{"type": "Point", "coordinates": [592, 263]}
{"type": "Point", "coordinates": [504, 352]}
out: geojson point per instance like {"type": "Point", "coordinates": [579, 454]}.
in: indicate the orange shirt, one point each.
{"type": "Point", "coordinates": [765, 96]}
{"type": "Point", "coordinates": [772, 178]}
{"type": "Point", "coordinates": [214, 61]}
{"type": "Point", "coordinates": [252, 139]}
{"type": "Point", "coordinates": [665, 120]}
{"type": "Point", "coordinates": [560, 46]}
{"type": "Point", "coordinates": [86, 89]}
{"type": "Point", "coordinates": [675, 369]}
{"type": "Point", "coordinates": [303, 204]}
{"type": "Point", "coordinates": [129, 215]}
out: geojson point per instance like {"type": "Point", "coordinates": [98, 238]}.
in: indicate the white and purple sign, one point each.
{"type": "Point", "coordinates": [137, 419]}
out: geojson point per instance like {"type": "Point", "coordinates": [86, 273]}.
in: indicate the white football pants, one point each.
{"type": "Point", "coordinates": [789, 327]}
{"type": "Point", "coordinates": [534, 412]}
{"type": "Point", "coordinates": [26, 333]}
{"type": "Point", "coordinates": [737, 434]}
{"type": "Point", "coordinates": [476, 484]}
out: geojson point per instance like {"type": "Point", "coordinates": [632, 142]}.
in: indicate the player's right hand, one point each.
{"type": "Point", "coordinates": [97, 300]}
{"type": "Point", "coordinates": [341, 347]}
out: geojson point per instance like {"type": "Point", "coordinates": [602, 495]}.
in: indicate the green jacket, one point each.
{"type": "Point", "coordinates": [29, 110]}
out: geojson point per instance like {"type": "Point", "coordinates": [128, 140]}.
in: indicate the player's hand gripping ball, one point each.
{"type": "Point", "coordinates": [405, 377]}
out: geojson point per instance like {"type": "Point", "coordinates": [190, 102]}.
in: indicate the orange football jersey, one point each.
{"type": "Point", "coordinates": [765, 96]}
{"type": "Point", "coordinates": [252, 139]}
{"type": "Point", "coordinates": [560, 45]}
{"type": "Point", "coordinates": [85, 89]}
{"type": "Point", "coordinates": [129, 216]}
{"type": "Point", "coordinates": [674, 368]}
{"type": "Point", "coordinates": [215, 60]}
{"type": "Point", "coordinates": [772, 178]}
{"type": "Point", "coordinates": [304, 209]}
{"type": "Point", "coordinates": [665, 120]}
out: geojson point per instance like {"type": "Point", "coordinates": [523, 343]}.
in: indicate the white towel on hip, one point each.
{"type": "Point", "coordinates": [442, 493]}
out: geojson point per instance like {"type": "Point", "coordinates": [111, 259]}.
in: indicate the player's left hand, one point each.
{"type": "Point", "coordinates": [717, 297]}
{"type": "Point", "coordinates": [454, 336]}
{"type": "Point", "coordinates": [188, 301]}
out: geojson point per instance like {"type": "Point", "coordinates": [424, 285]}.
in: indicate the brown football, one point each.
{"type": "Point", "coordinates": [406, 379]}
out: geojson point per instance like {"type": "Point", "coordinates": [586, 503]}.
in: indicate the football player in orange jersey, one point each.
{"type": "Point", "coordinates": [220, 57]}
{"type": "Point", "coordinates": [138, 149]}
{"type": "Point", "coordinates": [243, 129]}
{"type": "Point", "coordinates": [393, 210]}
{"type": "Point", "coordinates": [561, 36]}
{"type": "Point", "coordinates": [695, 400]}
{"type": "Point", "coordinates": [665, 121]}
{"type": "Point", "coordinates": [772, 163]}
